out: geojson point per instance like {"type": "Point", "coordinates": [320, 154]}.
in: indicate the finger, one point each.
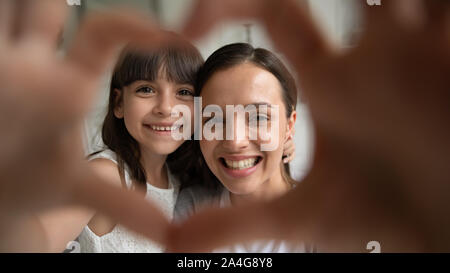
{"type": "Point", "coordinates": [378, 13]}
{"type": "Point", "coordinates": [296, 34]}
{"type": "Point", "coordinates": [16, 21]}
{"type": "Point", "coordinates": [101, 35]}
{"type": "Point", "coordinates": [289, 148]}
{"type": "Point", "coordinates": [209, 13]}
{"type": "Point", "coordinates": [447, 32]}
{"type": "Point", "coordinates": [291, 29]}
{"type": "Point", "coordinates": [215, 228]}
{"type": "Point", "coordinates": [410, 13]}
{"type": "Point", "coordinates": [97, 46]}
{"type": "Point", "coordinates": [290, 157]}
{"type": "Point", "coordinates": [6, 11]}
{"type": "Point", "coordinates": [43, 20]}
{"type": "Point", "coordinates": [126, 207]}
{"type": "Point", "coordinates": [437, 11]}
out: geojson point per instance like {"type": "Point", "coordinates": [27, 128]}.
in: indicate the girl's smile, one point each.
{"type": "Point", "coordinates": [162, 129]}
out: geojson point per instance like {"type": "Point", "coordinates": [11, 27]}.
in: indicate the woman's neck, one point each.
{"type": "Point", "coordinates": [154, 166]}
{"type": "Point", "coordinates": [268, 190]}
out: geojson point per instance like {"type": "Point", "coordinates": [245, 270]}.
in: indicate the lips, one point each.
{"type": "Point", "coordinates": [162, 129]}
{"type": "Point", "coordinates": [240, 166]}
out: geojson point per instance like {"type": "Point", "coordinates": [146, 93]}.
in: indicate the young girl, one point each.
{"type": "Point", "coordinates": [136, 131]}
{"type": "Point", "coordinates": [238, 74]}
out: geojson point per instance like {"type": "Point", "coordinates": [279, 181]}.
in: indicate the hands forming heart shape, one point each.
{"type": "Point", "coordinates": [380, 111]}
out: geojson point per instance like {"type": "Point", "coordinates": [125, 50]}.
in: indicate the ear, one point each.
{"type": "Point", "coordinates": [118, 102]}
{"type": "Point", "coordinates": [290, 127]}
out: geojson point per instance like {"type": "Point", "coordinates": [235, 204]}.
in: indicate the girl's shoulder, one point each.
{"type": "Point", "coordinates": [104, 164]}
{"type": "Point", "coordinates": [104, 154]}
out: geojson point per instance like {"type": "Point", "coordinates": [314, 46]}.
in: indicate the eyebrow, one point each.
{"type": "Point", "coordinates": [256, 104]}
{"type": "Point", "coordinates": [140, 82]}
{"type": "Point", "coordinates": [260, 104]}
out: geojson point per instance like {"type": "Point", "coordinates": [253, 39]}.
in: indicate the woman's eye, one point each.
{"type": "Point", "coordinates": [185, 92]}
{"type": "Point", "coordinates": [259, 118]}
{"type": "Point", "coordinates": [145, 90]}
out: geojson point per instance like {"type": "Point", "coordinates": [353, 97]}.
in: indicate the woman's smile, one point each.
{"type": "Point", "coordinates": [240, 166]}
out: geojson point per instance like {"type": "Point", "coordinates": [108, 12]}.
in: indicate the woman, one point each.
{"type": "Point", "coordinates": [244, 171]}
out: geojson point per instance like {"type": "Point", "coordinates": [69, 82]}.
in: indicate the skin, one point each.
{"type": "Point", "coordinates": [45, 135]}
{"type": "Point", "coordinates": [380, 113]}
{"type": "Point", "coordinates": [60, 193]}
{"type": "Point", "coordinates": [140, 104]}
{"type": "Point", "coordinates": [151, 103]}
{"type": "Point", "coordinates": [266, 181]}
{"type": "Point", "coordinates": [144, 104]}
{"type": "Point", "coordinates": [373, 177]}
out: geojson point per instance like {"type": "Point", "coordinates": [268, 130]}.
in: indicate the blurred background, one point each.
{"type": "Point", "coordinates": [338, 19]}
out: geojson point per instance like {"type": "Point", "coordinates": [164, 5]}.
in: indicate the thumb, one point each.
{"type": "Point", "coordinates": [214, 228]}
{"type": "Point", "coordinates": [126, 207]}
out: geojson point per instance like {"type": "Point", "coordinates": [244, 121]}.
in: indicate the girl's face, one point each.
{"type": "Point", "coordinates": [146, 109]}
{"type": "Point", "coordinates": [240, 164]}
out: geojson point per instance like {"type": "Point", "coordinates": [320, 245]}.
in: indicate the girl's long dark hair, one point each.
{"type": "Point", "coordinates": [180, 63]}
{"type": "Point", "coordinates": [229, 56]}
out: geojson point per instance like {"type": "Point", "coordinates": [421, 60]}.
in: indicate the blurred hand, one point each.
{"type": "Point", "coordinates": [381, 116]}
{"type": "Point", "coordinates": [44, 97]}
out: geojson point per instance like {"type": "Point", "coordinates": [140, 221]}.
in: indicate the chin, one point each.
{"type": "Point", "coordinates": [243, 188]}
{"type": "Point", "coordinates": [163, 149]}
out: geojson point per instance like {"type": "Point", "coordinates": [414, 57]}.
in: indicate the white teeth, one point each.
{"type": "Point", "coordinates": [241, 164]}
{"type": "Point", "coordinates": [235, 164]}
{"type": "Point", "coordinates": [164, 128]}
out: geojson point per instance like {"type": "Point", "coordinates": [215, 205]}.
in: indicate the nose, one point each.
{"type": "Point", "coordinates": [164, 105]}
{"type": "Point", "coordinates": [239, 137]}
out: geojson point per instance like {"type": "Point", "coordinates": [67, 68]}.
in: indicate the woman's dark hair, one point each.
{"type": "Point", "coordinates": [180, 63]}
{"type": "Point", "coordinates": [232, 55]}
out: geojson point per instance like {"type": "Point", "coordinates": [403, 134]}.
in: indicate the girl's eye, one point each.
{"type": "Point", "coordinates": [145, 90]}
{"type": "Point", "coordinates": [185, 92]}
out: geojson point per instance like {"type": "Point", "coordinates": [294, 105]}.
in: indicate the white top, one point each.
{"type": "Point", "coordinates": [120, 239]}
{"type": "Point", "coordinates": [196, 198]}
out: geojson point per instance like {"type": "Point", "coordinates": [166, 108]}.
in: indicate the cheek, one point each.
{"type": "Point", "coordinates": [273, 131]}
{"type": "Point", "coordinates": [185, 114]}
{"type": "Point", "coordinates": [135, 108]}
{"type": "Point", "coordinates": [134, 113]}
{"type": "Point", "coordinates": [191, 108]}
{"type": "Point", "coordinates": [272, 135]}
{"type": "Point", "coordinates": [272, 161]}
{"type": "Point", "coordinates": [207, 149]}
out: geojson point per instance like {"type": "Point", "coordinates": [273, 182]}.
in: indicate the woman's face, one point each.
{"type": "Point", "coordinates": [240, 164]}
{"type": "Point", "coordinates": [146, 109]}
